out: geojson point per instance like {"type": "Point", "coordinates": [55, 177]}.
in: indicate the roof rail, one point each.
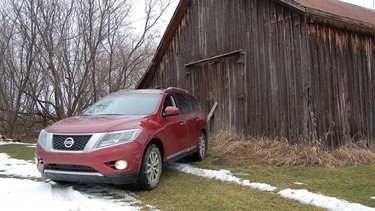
{"type": "Point", "coordinates": [176, 88]}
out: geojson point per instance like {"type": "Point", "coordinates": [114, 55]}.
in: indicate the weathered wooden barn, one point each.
{"type": "Point", "coordinates": [300, 69]}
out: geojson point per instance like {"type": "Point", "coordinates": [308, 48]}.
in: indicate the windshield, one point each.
{"type": "Point", "coordinates": [124, 105]}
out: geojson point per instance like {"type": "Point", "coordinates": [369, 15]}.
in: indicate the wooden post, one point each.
{"type": "Point", "coordinates": [212, 111]}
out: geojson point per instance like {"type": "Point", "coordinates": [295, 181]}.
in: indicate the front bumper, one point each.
{"type": "Point", "coordinates": [117, 179]}
{"type": "Point", "coordinates": [97, 164]}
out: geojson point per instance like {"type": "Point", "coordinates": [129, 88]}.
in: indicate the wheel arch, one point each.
{"type": "Point", "coordinates": [158, 143]}
{"type": "Point", "coordinates": [205, 133]}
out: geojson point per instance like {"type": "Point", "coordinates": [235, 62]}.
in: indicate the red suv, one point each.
{"type": "Point", "coordinates": [124, 138]}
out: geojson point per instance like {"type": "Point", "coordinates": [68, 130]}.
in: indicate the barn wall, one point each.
{"type": "Point", "coordinates": [277, 69]}
{"type": "Point", "coordinates": [272, 99]}
{"type": "Point", "coordinates": [272, 72]}
{"type": "Point", "coordinates": [343, 86]}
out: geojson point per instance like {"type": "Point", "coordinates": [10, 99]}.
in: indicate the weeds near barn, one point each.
{"type": "Point", "coordinates": [279, 152]}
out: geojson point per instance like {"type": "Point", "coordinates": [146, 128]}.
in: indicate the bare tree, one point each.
{"type": "Point", "coordinates": [17, 62]}
{"type": "Point", "coordinates": [58, 56]}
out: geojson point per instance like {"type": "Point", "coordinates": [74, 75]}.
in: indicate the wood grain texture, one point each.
{"type": "Point", "coordinates": [292, 75]}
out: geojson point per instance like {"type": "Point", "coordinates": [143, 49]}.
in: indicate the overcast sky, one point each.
{"type": "Point", "coordinates": [139, 14]}
{"type": "Point", "coordinates": [363, 3]}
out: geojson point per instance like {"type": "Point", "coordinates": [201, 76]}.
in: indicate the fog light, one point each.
{"type": "Point", "coordinates": [121, 165]}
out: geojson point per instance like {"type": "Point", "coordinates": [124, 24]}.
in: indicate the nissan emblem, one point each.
{"type": "Point", "coordinates": [68, 142]}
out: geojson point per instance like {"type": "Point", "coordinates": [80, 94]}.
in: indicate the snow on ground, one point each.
{"type": "Point", "coordinates": [325, 202]}
{"type": "Point", "coordinates": [17, 143]}
{"type": "Point", "coordinates": [19, 194]}
{"type": "Point", "coordinates": [372, 197]}
{"type": "Point", "coordinates": [15, 167]}
{"type": "Point", "coordinates": [222, 175]}
{"type": "Point", "coordinates": [44, 195]}
{"type": "Point", "coordinates": [302, 196]}
{"type": "Point", "coordinates": [298, 183]}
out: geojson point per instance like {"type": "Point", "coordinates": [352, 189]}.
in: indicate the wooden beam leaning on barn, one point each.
{"type": "Point", "coordinates": [212, 111]}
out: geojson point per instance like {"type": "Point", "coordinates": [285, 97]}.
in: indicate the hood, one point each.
{"type": "Point", "coordinates": [96, 124]}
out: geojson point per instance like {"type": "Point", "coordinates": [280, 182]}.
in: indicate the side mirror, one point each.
{"type": "Point", "coordinates": [171, 111]}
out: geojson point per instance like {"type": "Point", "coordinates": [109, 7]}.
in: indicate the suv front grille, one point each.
{"type": "Point", "coordinates": [78, 145]}
{"type": "Point", "coordinates": [72, 168]}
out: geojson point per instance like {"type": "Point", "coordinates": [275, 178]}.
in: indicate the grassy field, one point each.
{"type": "Point", "coordinates": [186, 192]}
{"type": "Point", "coordinates": [178, 191]}
{"type": "Point", "coordinates": [18, 151]}
{"type": "Point", "coordinates": [352, 183]}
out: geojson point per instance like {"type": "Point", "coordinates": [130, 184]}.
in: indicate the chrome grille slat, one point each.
{"type": "Point", "coordinates": [70, 168]}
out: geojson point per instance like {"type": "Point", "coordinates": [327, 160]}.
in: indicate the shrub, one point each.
{"type": "Point", "coordinates": [278, 152]}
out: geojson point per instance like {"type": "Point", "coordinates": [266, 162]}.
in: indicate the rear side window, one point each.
{"type": "Point", "coordinates": [186, 103]}
{"type": "Point", "coordinates": [193, 103]}
{"type": "Point", "coordinates": [183, 104]}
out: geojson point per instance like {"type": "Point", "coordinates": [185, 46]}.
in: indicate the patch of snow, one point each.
{"type": "Point", "coordinates": [16, 143]}
{"type": "Point", "coordinates": [16, 167]}
{"type": "Point", "coordinates": [372, 197]}
{"type": "Point", "coordinates": [150, 207]}
{"type": "Point", "coordinates": [298, 183]}
{"type": "Point", "coordinates": [222, 175]}
{"type": "Point", "coordinates": [325, 202]}
{"type": "Point", "coordinates": [18, 194]}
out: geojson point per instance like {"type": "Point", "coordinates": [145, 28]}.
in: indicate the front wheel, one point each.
{"type": "Point", "coordinates": [202, 147]}
{"type": "Point", "coordinates": [151, 168]}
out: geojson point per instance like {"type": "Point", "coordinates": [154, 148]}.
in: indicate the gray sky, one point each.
{"type": "Point", "coordinates": [139, 14]}
{"type": "Point", "coordinates": [363, 3]}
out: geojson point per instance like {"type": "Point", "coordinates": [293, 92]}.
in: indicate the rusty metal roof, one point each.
{"type": "Point", "coordinates": [336, 9]}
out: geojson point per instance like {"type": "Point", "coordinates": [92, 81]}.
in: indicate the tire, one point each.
{"type": "Point", "coordinates": [202, 147]}
{"type": "Point", "coordinates": [151, 168]}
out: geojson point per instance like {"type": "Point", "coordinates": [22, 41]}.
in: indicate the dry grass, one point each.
{"type": "Point", "coordinates": [279, 152]}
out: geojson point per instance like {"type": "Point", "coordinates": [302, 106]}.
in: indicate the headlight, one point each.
{"type": "Point", "coordinates": [120, 137]}
{"type": "Point", "coordinates": [44, 137]}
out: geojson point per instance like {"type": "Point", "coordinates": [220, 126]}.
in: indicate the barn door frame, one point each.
{"type": "Point", "coordinates": [224, 81]}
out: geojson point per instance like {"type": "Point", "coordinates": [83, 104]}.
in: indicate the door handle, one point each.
{"type": "Point", "coordinates": [183, 123]}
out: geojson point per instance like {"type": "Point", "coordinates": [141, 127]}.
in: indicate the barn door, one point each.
{"type": "Point", "coordinates": [221, 80]}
